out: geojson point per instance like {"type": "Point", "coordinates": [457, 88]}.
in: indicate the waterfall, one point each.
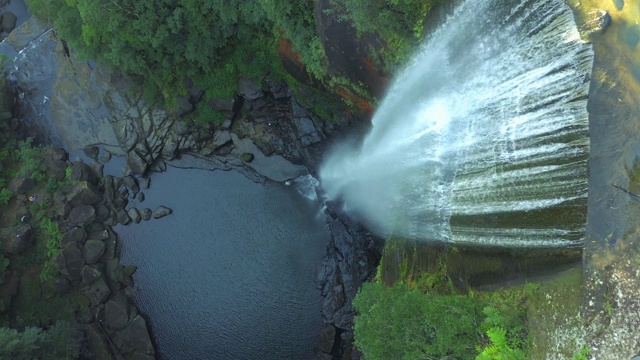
{"type": "Point", "coordinates": [483, 138]}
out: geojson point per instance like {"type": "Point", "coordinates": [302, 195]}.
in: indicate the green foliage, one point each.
{"type": "Point", "coordinates": [53, 248]}
{"type": "Point", "coordinates": [399, 23]}
{"type": "Point", "coordinates": [68, 172]}
{"type": "Point", "coordinates": [422, 317]}
{"type": "Point", "coordinates": [161, 42]}
{"type": "Point", "coordinates": [31, 162]}
{"type": "Point", "coordinates": [5, 196]}
{"type": "Point", "coordinates": [60, 341]}
{"type": "Point", "coordinates": [583, 354]}
{"type": "Point", "coordinates": [51, 186]}
{"type": "Point", "coordinates": [400, 323]}
{"type": "Point", "coordinates": [499, 348]}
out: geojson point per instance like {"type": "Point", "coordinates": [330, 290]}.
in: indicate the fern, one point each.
{"type": "Point", "coordinates": [5, 196]}
{"type": "Point", "coordinates": [499, 348]}
{"type": "Point", "coordinates": [494, 317]}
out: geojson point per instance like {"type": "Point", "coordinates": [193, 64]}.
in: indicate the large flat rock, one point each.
{"type": "Point", "coordinates": [274, 167]}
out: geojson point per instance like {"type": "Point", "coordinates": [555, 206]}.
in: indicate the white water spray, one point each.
{"type": "Point", "coordinates": [483, 139]}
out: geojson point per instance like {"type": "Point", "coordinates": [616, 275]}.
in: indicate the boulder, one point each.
{"type": "Point", "coordinates": [83, 172]}
{"type": "Point", "coordinates": [103, 212]}
{"type": "Point", "coordinates": [57, 153]}
{"type": "Point", "coordinates": [327, 338]}
{"type": "Point", "coordinates": [89, 275]}
{"type": "Point", "coordinates": [307, 132]}
{"type": "Point", "coordinates": [127, 132]}
{"type": "Point", "coordinates": [92, 152]}
{"type": "Point", "coordinates": [110, 247]}
{"type": "Point", "coordinates": [98, 291]}
{"type": "Point", "coordinates": [134, 215]}
{"type": "Point", "coordinates": [274, 167]}
{"type": "Point", "coordinates": [116, 312]}
{"type": "Point", "coordinates": [145, 182]}
{"type": "Point", "coordinates": [134, 337]}
{"type": "Point", "coordinates": [8, 21]}
{"type": "Point", "coordinates": [132, 184]}
{"type": "Point", "coordinates": [21, 239]}
{"type": "Point", "coordinates": [82, 215]}
{"type": "Point", "coordinates": [61, 285]}
{"type": "Point", "coordinates": [222, 105]}
{"type": "Point", "coordinates": [74, 235]}
{"type": "Point", "coordinates": [106, 157]}
{"type": "Point", "coordinates": [93, 251]}
{"type": "Point", "coordinates": [122, 217]}
{"type": "Point", "coordinates": [58, 168]}
{"type": "Point", "coordinates": [161, 211]}
{"type": "Point", "coordinates": [145, 214]}
{"type": "Point", "coordinates": [101, 234]}
{"type": "Point", "coordinates": [72, 263]}
{"type": "Point", "coordinates": [249, 89]}
{"type": "Point", "coordinates": [221, 138]}
{"type": "Point", "coordinates": [246, 157]}
{"type": "Point", "coordinates": [83, 193]}
{"type": "Point", "coordinates": [21, 184]}
{"type": "Point", "coordinates": [141, 197]}
{"type": "Point", "coordinates": [137, 164]}
{"type": "Point", "coordinates": [98, 168]}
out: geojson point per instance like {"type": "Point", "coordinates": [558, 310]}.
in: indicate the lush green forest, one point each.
{"type": "Point", "coordinates": [426, 318]}
{"type": "Point", "coordinates": [162, 42]}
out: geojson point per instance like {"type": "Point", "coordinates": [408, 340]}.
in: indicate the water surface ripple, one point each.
{"type": "Point", "coordinates": [230, 274]}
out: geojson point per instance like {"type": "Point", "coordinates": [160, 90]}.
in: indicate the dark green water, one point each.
{"type": "Point", "coordinates": [230, 274]}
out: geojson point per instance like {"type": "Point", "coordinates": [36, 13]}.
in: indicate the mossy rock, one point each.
{"type": "Point", "coordinates": [246, 157]}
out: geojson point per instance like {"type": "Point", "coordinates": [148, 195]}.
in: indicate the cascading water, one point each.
{"type": "Point", "coordinates": [483, 139]}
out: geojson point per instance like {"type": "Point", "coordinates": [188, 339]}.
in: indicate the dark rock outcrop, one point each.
{"type": "Point", "coordinates": [21, 184]}
{"type": "Point", "coordinates": [74, 235]}
{"type": "Point", "coordinates": [92, 152]}
{"type": "Point", "coordinates": [116, 313]}
{"type": "Point", "coordinates": [71, 262]}
{"type": "Point", "coordinates": [93, 251]}
{"type": "Point", "coordinates": [145, 214]}
{"type": "Point", "coordinates": [83, 193]}
{"type": "Point", "coordinates": [82, 215]}
{"type": "Point", "coordinates": [8, 21]}
{"type": "Point", "coordinates": [161, 211]}
{"type": "Point", "coordinates": [98, 291]}
{"type": "Point", "coordinates": [134, 338]}
{"type": "Point", "coordinates": [21, 239]}
{"type": "Point", "coordinates": [352, 256]}
{"type": "Point", "coordinates": [134, 215]}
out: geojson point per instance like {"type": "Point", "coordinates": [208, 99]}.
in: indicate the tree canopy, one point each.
{"type": "Point", "coordinates": [161, 42]}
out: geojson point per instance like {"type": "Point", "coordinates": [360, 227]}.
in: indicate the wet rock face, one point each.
{"type": "Point", "coordinates": [351, 259]}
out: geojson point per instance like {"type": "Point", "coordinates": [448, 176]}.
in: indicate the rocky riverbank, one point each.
{"type": "Point", "coordinates": [270, 133]}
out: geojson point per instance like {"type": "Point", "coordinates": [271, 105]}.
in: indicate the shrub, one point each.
{"type": "Point", "coordinates": [60, 341]}
{"type": "Point", "coordinates": [31, 163]}
{"type": "Point", "coordinates": [5, 196]}
{"type": "Point", "coordinates": [400, 323]}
